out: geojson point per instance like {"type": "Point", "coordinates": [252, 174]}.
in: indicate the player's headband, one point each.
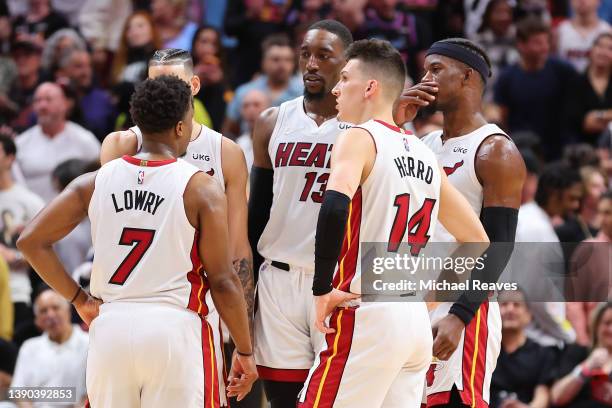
{"type": "Point", "coordinates": [462, 54]}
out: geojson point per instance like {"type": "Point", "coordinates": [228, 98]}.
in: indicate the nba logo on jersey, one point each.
{"type": "Point", "coordinates": [406, 144]}
{"type": "Point", "coordinates": [140, 177]}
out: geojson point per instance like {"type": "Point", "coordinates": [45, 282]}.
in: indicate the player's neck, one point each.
{"type": "Point", "coordinates": [382, 112]}
{"type": "Point", "coordinates": [513, 340]}
{"type": "Point", "coordinates": [322, 109]}
{"type": "Point", "coordinates": [154, 150]}
{"type": "Point", "coordinates": [462, 121]}
{"type": "Point", "coordinates": [6, 180]}
{"type": "Point", "coordinates": [196, 130]}
{"type": "Point", "coordinates": [586, 20]}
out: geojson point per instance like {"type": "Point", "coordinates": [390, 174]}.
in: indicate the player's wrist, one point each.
{"type": "Point", "coordinates": [80, 297]}
{"type": "Point", "coordinates": [244, 354]}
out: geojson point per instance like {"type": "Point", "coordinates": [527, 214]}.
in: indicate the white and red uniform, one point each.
{"type": "Point", "coordinates": [380, 351]}
{"type": "Point", "coordinates": [151, 344]}
{"type": "Point", "coordinates": [204, 152]}
{"type": "Point", "coordinates": [285, 337]}
{"type": "Point", "coordinates": [471, 366]}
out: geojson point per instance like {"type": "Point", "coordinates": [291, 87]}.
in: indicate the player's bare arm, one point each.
{"type": "Point", "coordinates": [52, 224]}
{"type": "Point", "coordinates": [459, 219]}
{"type": "Point", "coordinates": [235, 175]}
{"type": "Point", "coordinates": [351, 162]}
{"type": "Point", "coordinates": [206, 209]}
{"type": "Point", "coordinates": [262, 177]}
{"type": "Point", "coordinates": [116, 144]}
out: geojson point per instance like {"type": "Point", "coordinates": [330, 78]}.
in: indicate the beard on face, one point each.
{"type": "Point", "coordinates": [314, 96]}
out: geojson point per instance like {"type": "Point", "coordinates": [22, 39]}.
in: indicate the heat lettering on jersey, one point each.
{"type": "Point", "coordinates": [303, 154]}
{"type": "Point", "coordinates": [137, 200]}
{"type": "Point", "coordinates": [407, 167]}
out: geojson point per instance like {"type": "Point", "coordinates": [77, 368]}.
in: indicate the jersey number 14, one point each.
{"type": "Point", "coordinates": [416, 228]}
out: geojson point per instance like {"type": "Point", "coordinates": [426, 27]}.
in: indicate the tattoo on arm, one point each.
{"type": "Point", "coordinates": [244, 269]}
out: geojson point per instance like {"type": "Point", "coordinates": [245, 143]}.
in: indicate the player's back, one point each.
{"type": "Point", "coordinates": [398, 202]}
{"type": "Point", "coordinates": [143, 242]}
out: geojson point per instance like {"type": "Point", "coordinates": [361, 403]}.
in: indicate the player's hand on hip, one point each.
{"type": "Point", "coordinates": [242, 376]}
{"type": "Point", "coordinates": [326, 304]}
{"type": "Point", "coordinates": [412, 99]}
{"type": "Point", "coordinates": [88, 308]}
{"type": "Point", "coordinates": [447, 333]}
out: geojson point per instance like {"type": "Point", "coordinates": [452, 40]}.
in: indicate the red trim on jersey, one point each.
{"type": "Point", "coordinates": [393, 127]}
{"type": "Point", "coordinates": [324, 383]}
{"type": "Point", "coordinates": [468, 368]}
{"type": "Point", "coordinates": [347, 262]}
{"type": "Point", "coordinates": [223, 358]}
{"type": "Point", "coordinates": [199, 283]}
{"type": "Point", "coordinates": [147, 163]}
{"type": "Point", "coordinates": [209, 362]}
{"type": "Point", "coordinates": [439, 398]}
{"type": "Point", "coordinates": [282, 374]}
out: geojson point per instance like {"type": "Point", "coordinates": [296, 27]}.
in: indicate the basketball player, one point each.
{"type": "Point", "coordinates": [376, 353]}
{"type": "Point", "coordinates": [160, 235]}
{"type": "Point", "coordinates": [292, 146]}
{"type": "Point", "coordinates": [217, 156]}
{"type": "Point", "coordinates": [484, 164]}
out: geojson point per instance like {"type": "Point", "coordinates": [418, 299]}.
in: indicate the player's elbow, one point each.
{"type": "Point", "coordinates": [26, 242]}
{"type": "Point", "coordinates": [227, 284]}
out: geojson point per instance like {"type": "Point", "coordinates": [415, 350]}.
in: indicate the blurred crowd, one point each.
{"type": "Point", "coordinates": [68, 68]}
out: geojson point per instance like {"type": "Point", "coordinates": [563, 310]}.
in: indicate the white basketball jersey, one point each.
{"type": "Point", "coordinates": [145, 248]}
{"type": "Point", "coordinates": [574, 47]}
{"type": "Point", "coordinates": [404, 184]}
{"type": "Point", "coordinates": [204, 152]}
{"type": "Point", "coordinates": [458, 157]}
{"type": "Point", "coordinates": [300, 152]}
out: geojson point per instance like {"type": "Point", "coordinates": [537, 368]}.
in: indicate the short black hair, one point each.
{"type": "Point", "coordinates": [555, 177]}
{"type": "Point", "coordinates": [381, 57]}
{"type": "Point", "coordinates": [172, 56]}
{"type": "Point", "coordinates": [470, 46]}
{"type": "Point", "coordinates": [529, 26]}
{"type": "Point", "coordinates": [159, 104]}
{"type": "Point", "coordinates": [606, 196]}
{"type": "Point", "coordinates": [334, 27]}
{"type": "Point", "coordinates": [68, 170]}
{"type": "Point", "coordinates": [275, 40]}
{"type": "Point", "coordinates": [8, 145]}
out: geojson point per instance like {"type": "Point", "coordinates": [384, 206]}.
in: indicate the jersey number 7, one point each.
{"type": "Point", "coordinates": [417, 227]}
{"type": "Point", "coordinates": [130, 236]}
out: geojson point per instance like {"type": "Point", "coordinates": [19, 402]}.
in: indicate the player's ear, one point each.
{"type": "Point", "coordinates": [467, 74]}
{"type": "Point", "coordinates": [195, 85]}
{"type": "Point", "coordinates": [179, 129]}
{"type": "Point", "coordinates": [371, 88]}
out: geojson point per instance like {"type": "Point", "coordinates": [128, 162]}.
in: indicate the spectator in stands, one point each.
{"type": "Point", "coordinates": [585, 223]}
{"type": "Point", "coordinates": [74, 247]}
{"type": "Point", "coordinates": [584, 372]}
{"type": "Point", "coordinates": [277, 82]}
{"type": "Point", "coordinates": [21, 94]}
{"type": "Point", "coordinates": [139, 41]}
{"type": "Point", "coordinates": [170, 17]}
{"type": "Point", "coordinates": [251, 22]}
{"type": "Point", "coordinates": [98, 112]}
{"type": "Point", "coordinates": [307, 12]}
{"type": "Point", "coordinates": [210, 66]}
{"type": "Point", "coordinates": [523, 373]}
{"type": "Point", "coordinates": [577, 35]}
{"type": "Point", "coordinates": [589, 110]}
{"type": "Point", "coordinates": [253, 103]}
{"type": "Point", "coordinates": [8, 356]}
{"type": "Point", "coordinates": [540, 269]}
{"type": "Point", "coordinates": [101, 23]}
{"type": "Point", "coordinates": [51, 141]}
{"type": "Point", "coordinates": [532, 92]}
{"type": "Point", "coordinates": [604, 152]}
{"type": "Point", "coordinates": [38, 23]}
{"type": "Point", "coordinates": [18, 206]}
{"type": "Point", "coordinates": [589, 277]}
{"type": "Point", "coordinates": [497, 36]}
{"type": "Point", "coordinates": [57, 44]}
{"type": "Point", "coordinates": [531, 181]}
{"type": "Point", "coordinates": [408, 32]}
{"type": "Point", "coordinates": [57, 358]}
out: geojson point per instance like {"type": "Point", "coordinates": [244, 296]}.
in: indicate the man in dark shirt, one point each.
{"type": "Point", "coordinates": [531, 93]}
{"type": "Point", "coordinates": [38, 23]}
{"type": "Point", "coordinates": [522, 375]}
